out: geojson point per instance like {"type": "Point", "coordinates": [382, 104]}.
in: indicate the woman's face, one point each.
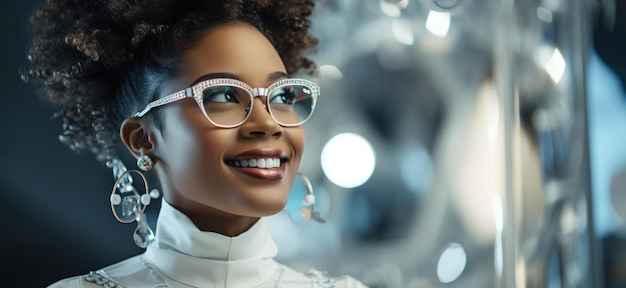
{"type": "Point", "coordinates": [194, 159]}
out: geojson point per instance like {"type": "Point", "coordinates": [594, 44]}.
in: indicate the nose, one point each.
{"type": "Point", "coordinates": [260, 123]}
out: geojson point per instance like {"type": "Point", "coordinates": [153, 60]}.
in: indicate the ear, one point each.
{"type": "Point", "coordinates": [135, 133]}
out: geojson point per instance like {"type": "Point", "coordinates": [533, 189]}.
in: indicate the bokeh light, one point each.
{"type": "Point", "coordinates": [438, 23]}
{"type": "Point", "coordinates": [348, 160]}
{"type": "Point", "coordinates": [451, 263]}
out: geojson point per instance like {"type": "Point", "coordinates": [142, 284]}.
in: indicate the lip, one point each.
{"type": "Point", "coordinates": [261, 173]}
{"type": "Point", "coordinates": [261, 153]}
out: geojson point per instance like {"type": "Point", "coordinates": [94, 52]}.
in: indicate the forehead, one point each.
{"type": "Point", "coordinates": [236, 48]}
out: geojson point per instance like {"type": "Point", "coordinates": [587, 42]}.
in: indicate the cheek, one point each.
{"type": "Point", "coordinates": [297, 140]}
{"type": "Point", "coordinates": [191, 147]}
{"type": "Point", "coordinates": [296, 137]}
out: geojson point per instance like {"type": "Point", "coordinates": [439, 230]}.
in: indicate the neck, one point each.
{"type": "Point", "coordinates": [225, 224]}
{"type": "Point", "coordinates": [209, 219]}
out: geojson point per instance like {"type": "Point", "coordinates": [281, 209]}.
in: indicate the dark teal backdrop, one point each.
{"type": "Point", "coordinates": [56, 220]}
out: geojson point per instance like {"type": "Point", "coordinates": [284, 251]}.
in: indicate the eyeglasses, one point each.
{"type": "Point", "coordinates": [227, 103]}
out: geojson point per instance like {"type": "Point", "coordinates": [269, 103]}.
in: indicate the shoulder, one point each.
{"type": "Point", "coordinates": [72, 282]}
{"type": "Point", "coordinates": [321, 279]}
{"type": "Point", "coordinates": [128, 273]}
{"type": "Point", "coordinates": [91, 280]}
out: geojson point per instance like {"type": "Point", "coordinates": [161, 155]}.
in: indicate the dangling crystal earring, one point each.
{"type": "Point", "coordinates": [306, 213]}
{"type": "Point", "coordinates": [132, 203]}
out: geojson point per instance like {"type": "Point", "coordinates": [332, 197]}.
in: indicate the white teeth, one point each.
{"type": "Point", "coordinates": [258, 163]}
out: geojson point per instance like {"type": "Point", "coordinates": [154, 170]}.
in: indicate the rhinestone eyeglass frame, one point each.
{"type": "Point", "coordinates": [196, 92]}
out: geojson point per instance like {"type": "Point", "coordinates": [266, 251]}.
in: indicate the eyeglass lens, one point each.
{"type": "Point", "coordinates": [230, 105]}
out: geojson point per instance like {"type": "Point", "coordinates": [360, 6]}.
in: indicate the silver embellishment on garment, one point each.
{"type": "Point", "coordinates": [320, 278]}
{"type": "Point", "coordinates": [100, 279]}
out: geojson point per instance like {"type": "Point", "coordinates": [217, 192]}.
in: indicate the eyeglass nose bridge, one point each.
{"type": "Point", "coordinates": [257, 92]}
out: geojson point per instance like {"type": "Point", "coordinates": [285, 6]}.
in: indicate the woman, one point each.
{"type": "Point", "coordinates": [198, 91]}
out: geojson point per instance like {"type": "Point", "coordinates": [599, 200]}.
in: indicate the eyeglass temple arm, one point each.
{"type": "Point", "coordinates": [165, 100]}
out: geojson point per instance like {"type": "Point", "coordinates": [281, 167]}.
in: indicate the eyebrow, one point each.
{"type": "Point", "coordinates": [274, 76]}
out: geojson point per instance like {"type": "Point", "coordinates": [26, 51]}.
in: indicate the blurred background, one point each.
{"type": "Point", "coordinates": [457, 143]}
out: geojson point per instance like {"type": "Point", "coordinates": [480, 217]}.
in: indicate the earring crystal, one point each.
{"type": "Point", "coordinates": [143, 235]}
{"type": "Point", "coordinates": [145, 163]}
{"type": "Point", "coordinates": [128, 205]}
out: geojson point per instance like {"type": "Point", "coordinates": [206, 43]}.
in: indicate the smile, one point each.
{"type": "Point", "coordinates": [264, 163]}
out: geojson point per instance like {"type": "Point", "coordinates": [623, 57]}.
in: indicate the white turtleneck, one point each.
{"type": "Point", "coordinates": [193, 257]}
{"type": "Point", "coordinates": [182, 256]}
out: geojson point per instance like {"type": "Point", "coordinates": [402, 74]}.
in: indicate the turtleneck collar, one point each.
{"type": "Point", "coordinates": [207, 259]}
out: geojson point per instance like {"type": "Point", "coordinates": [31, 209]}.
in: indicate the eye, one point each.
{"type": "Point", "coordinates": [220, 95]}
{"type": "Point", "coordinates": [285, 95]}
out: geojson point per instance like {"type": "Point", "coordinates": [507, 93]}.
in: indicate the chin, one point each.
{"type": "Point", "coordinates": [272, 209]}
{"type": "Point", "coordinates": [267, 208]}
{"type": "Point", "coordinates": [262, 202]}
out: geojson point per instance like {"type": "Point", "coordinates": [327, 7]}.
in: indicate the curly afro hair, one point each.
{"type": "Point", "coordinates": [100, 60]}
